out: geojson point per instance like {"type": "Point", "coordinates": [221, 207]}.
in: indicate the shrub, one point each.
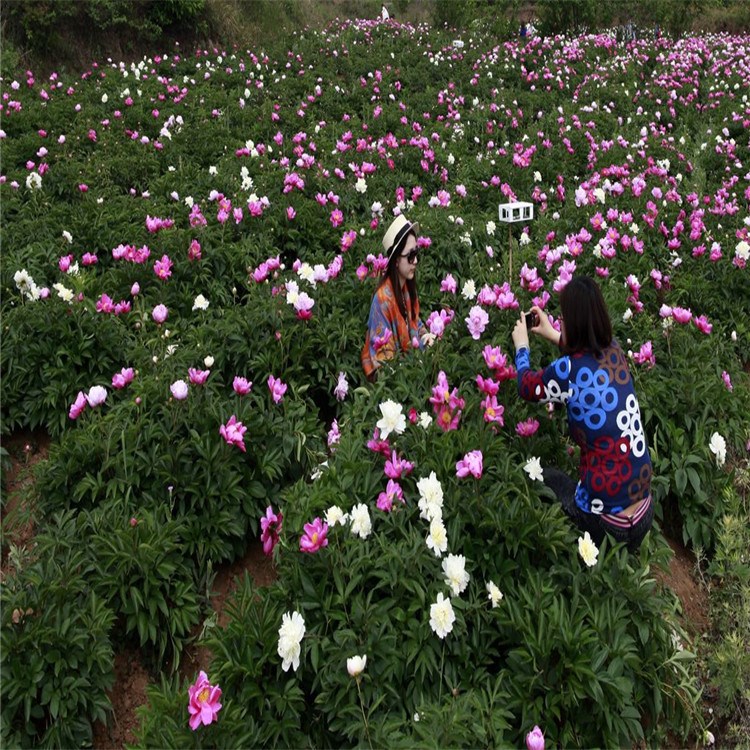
{"type": "Point", "coordinates": [57, 659]}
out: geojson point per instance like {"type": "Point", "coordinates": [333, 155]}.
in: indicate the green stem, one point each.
{"type": "Point", "coordinates": [364, 716]}
{"type": "Point", "coordinates": [442, 662]}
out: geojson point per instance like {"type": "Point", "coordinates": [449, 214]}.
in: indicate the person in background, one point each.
{"type": "Point", "coordinates": [613, 491]}
{"type": "Point", "coordinates": [384, 14]}
{"type": "Point", "coordinates": [394, 325]}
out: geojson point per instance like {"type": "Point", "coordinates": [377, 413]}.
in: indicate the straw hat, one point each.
{"type": "Point", "coordinates": [399, 228]}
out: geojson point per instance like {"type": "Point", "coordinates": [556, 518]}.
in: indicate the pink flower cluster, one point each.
{"type": "Point", "coordinates": [106, 305]}
{"type": "Point", "coordinates": [261, 273]}
{"type": "Point", "coordinates": [131, 253]}
{"type": "Point", "coordinates": [446, 404]}
{"type": "Point", "coordinates": [154, 224]}
{"type": "Point", "coordinates": [315, 536]}
{"type": "Point", "coordinates": [438, 320]}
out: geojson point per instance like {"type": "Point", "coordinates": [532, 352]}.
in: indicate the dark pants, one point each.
{"type": "Point", "coordinates": [565, 489]}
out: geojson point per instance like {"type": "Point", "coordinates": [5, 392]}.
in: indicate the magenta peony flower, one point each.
{"type": "Point", "coordinates": [198, 377]}
{"type": "Point", "coordinates": [392, 492]}
{"type": "Point", "coordinates": [682, 315]}
{"type": "Point", "coordinates": [342, 387]}
{"type": "Point", "coordinates": [78, 405]}
{"type": "Point", "coordinates": [493, 411]}
{"type": "Point", "coordinates": [535, 739]}
{"type": "Point", "coordinates": [527, 428]}
{"type": "Point", "coordinates": [448, 284]}
{"type": "Point", "coordinates": [123, 378]}
{"type": "Point", "coordinates": [315, 536]}
{"type": "Point", "coordinates": [241, 385]}
{"type": "Point", "coordinates": [277, 388]}
{"type": "Point", "coordinates": [270, 528]}
{"type": "Point", "coordinates": [727, 381]}
{"type": "Point", "coordinates": [160, 313]}
{"type": "Point", "coordinates": [203, 702]}
{"type": "Point", "coordinates": [234, 433]}
{"type": "Point", "coordinates": [163, 267]}
{"type": "Point", "coordinates": [396, 467]}
{"type": "Point", "coordinates": [471, 463]}
{"type": "Point", "coordinates": [179, 389]}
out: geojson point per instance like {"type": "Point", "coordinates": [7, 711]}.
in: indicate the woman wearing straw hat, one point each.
{"type": "Point", "coordinates": [394, 324]}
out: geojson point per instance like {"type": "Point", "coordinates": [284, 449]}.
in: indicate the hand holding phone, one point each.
{"type": "Point", "coordinates": [531, 320]}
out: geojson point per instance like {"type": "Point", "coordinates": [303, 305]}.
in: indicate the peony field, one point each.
{"type": "Point", "coordinates": [190, 246]}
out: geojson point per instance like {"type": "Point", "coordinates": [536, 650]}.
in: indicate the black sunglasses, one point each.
{"type": "Point", "coordinates": [411, 256]}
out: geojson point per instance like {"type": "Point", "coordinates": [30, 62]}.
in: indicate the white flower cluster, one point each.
{"type": "Point", "coordinates": [291, 633]}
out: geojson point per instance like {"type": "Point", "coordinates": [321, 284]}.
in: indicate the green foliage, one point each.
{"type": "Point", "coordinates": [728, 657]}
{"type": "Point", "coordinates": [140, 572]}
{"type": "Point", "coordinates": [57, 660]}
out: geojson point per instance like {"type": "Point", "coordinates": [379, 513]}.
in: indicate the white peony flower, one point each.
{"type": "Point", "coordinates": [361, 523]}
{"type": "Point", "coordinates": [587, 549]}
{"type": "Point", "coordinates": [442, 616]}
{"type": "Point", "coordinates": [291, 633]}
{"type": "Point", "coordinates": [200, 303]}
{"type": "Point", "coordinates": [533, 468]}
{"type": "Point", "coordinates": [425, 419]}
{"type": "Point", "coordinates": [718, 447]}
{"type": "Point", "coordinates": [393, 419]}
{"type": "Point", "coordinates": [65, 294]}
{"type": "Point", "coordinates": [437, 538]}
{"type": "Point", "coordinates": [495, 595]}
{"type": "Point", "coordinates": [334, 515]}
{"type": "Point", "coordinates": [430, 497]}
{"type": "Point", "coordinates": [361, 185]}
{"type": "Point", "coordinates": [469, 289]}
{"type": "Point", "coordinates": [68, 236]}
{"type": "Point", "coordinates": [454, 569]}
{"type": "Point", "coordinates": [34, 181]}
{"type": "Point", "coordinates": [356, 665]}
{"type": "Point", "coordinates": [490, 227]}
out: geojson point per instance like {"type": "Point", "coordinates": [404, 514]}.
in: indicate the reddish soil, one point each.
{"type": "Point", "coordinates": [131, 676]}
{"type": "Point", "coordinates": [693, 597]}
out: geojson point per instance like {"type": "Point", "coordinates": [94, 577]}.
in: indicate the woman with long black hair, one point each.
{"type": "Point", "coordinates": [394, 325]}
{"type": "Point", "coordinates": [592, 379]}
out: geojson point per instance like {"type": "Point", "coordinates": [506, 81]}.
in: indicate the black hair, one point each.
{"type": "Point", "coordinates": [392, 274]}
{"type": "Point", "coordinates": [587, 323]}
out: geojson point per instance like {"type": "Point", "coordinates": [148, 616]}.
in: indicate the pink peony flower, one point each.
{"type": "Point", "coordinates": [160, 313]}
{"type": "Point", "coordinates": [203, 702]}
{"type": "Point", "coordinates": [645, 356]}
{"type": "Point", "coordinates": [241, 385]}
{"type": "Point", "coordinates": [448, 284]}
{"type": "Point", "coordinates": [392, 492]}
{"type": "Point", "coordinates": [163, 267]}
{"type": "Point", "coordinates": [123, 378]}
{"type": "Point", "coordinates": [535, 739]}
{"type": "Point", "coordinates": [96, 396]}
{"type": "Point", "coordinates": [179, 389]}
{"type": "Point", "coordinates": [78, 405]}
{"type": "Point", "coordinates": [334, 435]}
{"type": "Point", "coordinates": [234, 433]}
{"type": "Point", "coordinates": [198, 377]}
{"type": "Point", "coordinates": [477, 322]}
{"type": "Point", "coordinates": [702, 324]}
{"type": "Point", "coordinates": [396, 467]}
{"type": "Point", "coordinates": [682, 315]}
{"type": "Point", "coordinates": [342, 387]}
{"type": "Point", "coordinates": [377, 445]}
{"type": "Point", "coordinates": [194, 251]}
{"type": "Point", "coordinates": [277, 388]}
{"type": "Point", "coordinates": [727, 381]}
{"type": "Point", "coordinates": [493, 411]}
{"type": "Point", "coordinates": [527, 428]}
{"type": "Point", "coordinates": [471, 463]}
{"type": "Point", "coordinates": [270, 528]}
{"type": "Point", "coordinates": [315, 536]}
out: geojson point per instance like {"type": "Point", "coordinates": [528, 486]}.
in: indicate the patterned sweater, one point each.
{"type": "Point", "coordinates": [604, 418]}
{"type": "Point", "coordinates": [387, 331]}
